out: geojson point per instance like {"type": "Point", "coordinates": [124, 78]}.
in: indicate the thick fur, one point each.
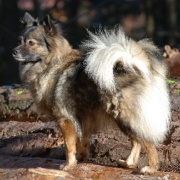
{"type": "Point", "coordinates": [119, 81]}
{"type": "Point", "coordinates": [150, 120]}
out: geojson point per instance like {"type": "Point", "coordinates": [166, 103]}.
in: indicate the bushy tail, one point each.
{"type": "Point", "coordinates": [105, 49]}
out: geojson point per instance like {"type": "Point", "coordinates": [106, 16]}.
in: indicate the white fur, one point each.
{"type": "Point", "coordinates": [154, 119]}
{"type": "Point", "coordinates": [105, 49]}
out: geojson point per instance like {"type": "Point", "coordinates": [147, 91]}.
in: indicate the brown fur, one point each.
{"type": "Point", "coordinates": [62, 89]}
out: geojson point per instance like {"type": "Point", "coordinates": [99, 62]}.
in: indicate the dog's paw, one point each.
{"type": "Point", "coordinates": [148, 170]}
{"type": "Point", "coordinates": [123, 163]}
{"type": "Point", "coordinates": [67, 167]}
{"type": "Point", "coordinates": [82, 157]}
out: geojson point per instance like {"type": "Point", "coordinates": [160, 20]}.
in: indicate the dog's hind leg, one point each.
{"type": "Point", "coordinates": [152, 154]}
{"type": "Point", "coordinates": [70, 139]}
{"type": "Point", "coordinates": [83, 148]}
{"type": "Point", "coordinates": [132, 159]}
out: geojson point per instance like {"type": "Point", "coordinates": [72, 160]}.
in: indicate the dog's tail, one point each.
{"type": "Point", "coordinates": [105, 49]}
{"type": "Point", "coordinates": [109, 49]}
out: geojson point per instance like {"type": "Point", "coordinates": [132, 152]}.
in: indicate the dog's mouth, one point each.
{"type": "Point", "coordinates": [25, 60]}
{"type": "Point", "coordinates": [30, 62]}
{"type": "Point", "coordinates": [19, 59]}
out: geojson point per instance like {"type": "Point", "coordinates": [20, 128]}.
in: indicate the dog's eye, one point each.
{"type": "Point", "coordinates": [31, 43]}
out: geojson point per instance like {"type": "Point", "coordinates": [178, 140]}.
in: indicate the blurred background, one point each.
{"type": "Point", "coordinates": [155, 19]}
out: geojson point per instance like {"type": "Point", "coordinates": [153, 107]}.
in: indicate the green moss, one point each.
{"type": "Point", "coordinates": [178, 92]}
{"type": "Point", "coordinates": [171, 81]}
{"type": "Point", "coordinates": [20, 91]}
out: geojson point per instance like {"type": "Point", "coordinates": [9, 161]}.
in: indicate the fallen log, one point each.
{"type": "Point", "coordinates": [48, 169]}
{"type": "Point", "coordinates": [16, 104]}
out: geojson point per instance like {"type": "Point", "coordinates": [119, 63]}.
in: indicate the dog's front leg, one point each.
{"type": "Point", "coordinates": [70, 138]}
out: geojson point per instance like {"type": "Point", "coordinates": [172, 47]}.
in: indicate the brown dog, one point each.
{"type": "Point", "coordinates": [118, 81]}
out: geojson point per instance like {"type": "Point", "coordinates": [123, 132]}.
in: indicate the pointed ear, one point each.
{"type": "Point", "coordinates": [46, 22]}
{"type": "Point", "coordinates": [28, 20]}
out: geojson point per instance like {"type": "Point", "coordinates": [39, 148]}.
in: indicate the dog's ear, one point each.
{"type": "Point", "coordinates": [28, 20]}
{"type": "Point", "coordinates": [47, 24]}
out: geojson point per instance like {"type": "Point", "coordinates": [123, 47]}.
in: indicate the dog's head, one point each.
{"type": "Point", "coordinates": [34, 41]}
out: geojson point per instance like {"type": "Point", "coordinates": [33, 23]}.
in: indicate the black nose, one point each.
{"type": "Point", "coordinates": [15, 52]}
